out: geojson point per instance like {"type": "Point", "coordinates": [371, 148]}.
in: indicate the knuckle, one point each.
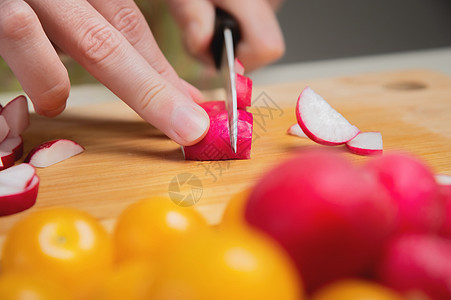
{"type": "Point", "coordinates": [129, 22]}
{"type": "Point", "coordinates": [17, 20]}
{"type": "Point", "coordinates": [151, 92]}
{"type": "Point", "coordinates": [98, 44]}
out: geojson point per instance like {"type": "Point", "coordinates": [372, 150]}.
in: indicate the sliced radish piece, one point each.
{"type": "Point", "coordinates": [216, 144]}
{"type": "Point", "coordinates": [16, 115]}
{"type": "Point", "coordinates": [11, 150]}
{"type": "Point", "coordinates": [243, 91]}
{"type": "Point", "coordinates": [444, 182]}
{"type": "Point", "coordinates": [296, 130]}
{"type": "Point", "coordinates": [18, 191]}
{"type": "Point", "coordinates": [239, 68]}
{"type": "Point", "coordinates": [52, 152]}
{"type": "Point", "coordinates": [4, 128]}
{"type": "Point", "coordinates": [366, 143]}
{"type": "Point", "coordinates": [212, 107]}
{"type": "Point", "coordinates": [320, 122]}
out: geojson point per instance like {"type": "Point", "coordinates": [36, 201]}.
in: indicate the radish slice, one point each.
{"type": "Point", "coordinates": [243, 91]}
{"type": "Point", "coordinates": [239, 68]}
{"type": "Point", "coordinates": [366, 143]}
{"type": "Point", "coordinates": [320, 122]}
{"type": "Point", "coordinates": [296, 130]}
{"type": "Point", "coordinates": [11, 150]}
{"type": "Point", "coordinates": [16, 178]}
{"type": "Point", "coordinates": [16, 115]}
{"type": "Point", "coordinates": [52, 152]}
{"type": "Point", "coordinates": [444, 182]}
{"type": "Point", "coordinates": [216, 144]}
{"type": "Point", "coordinates": [15, 199]}
{"type": "Point", "coordinates": [4, 128]}
{"type": "Point", "coordinates": [213, 107]}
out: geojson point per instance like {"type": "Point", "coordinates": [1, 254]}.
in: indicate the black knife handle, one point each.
{"type": "Point", "coordinates": [223, 20]}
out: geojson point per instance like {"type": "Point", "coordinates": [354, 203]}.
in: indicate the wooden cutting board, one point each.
{"type": "Point", "coordinates": [126, 159]}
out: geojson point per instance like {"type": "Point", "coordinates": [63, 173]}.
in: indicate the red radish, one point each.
{"type": "Point", "coordinates": [18, 189]}
{"type": "Point", "coordinates": [416, 262]}
{"type": "Point", "coordinates": [366, 143]}
{"type": "Point", "coordinates": [11, 150]}
{"type": "Point", "coordinates": [243, 91]}
{"type": "Point", "coordinates": [212, 107]}
{"type": "Point", "coordinates": [216, 144]}
{"type": "Point", "coordinates": [321, 122]}
{"type": "Point", "coordinates": [444, 182]}
{"type": "Point", "coordinates": [239, 68]}
{"type": "Point", "coordinates": [4, 128]}
{"type": "Point", "coordinates": [413, 189]}
{"type": "Point", "coordinates": [296, 130]}
{"type": "Point", "coordinates": [53, 152]}
{"type": "Point", "coordinates": [330, 215]}
{"type": "Point", "coordinates": [16, 115]}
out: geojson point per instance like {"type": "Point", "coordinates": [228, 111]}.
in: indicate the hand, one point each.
{"type": "Point", "coordinates": [262, 40]}
{"type": "Point", "coordinates": [113, 42]}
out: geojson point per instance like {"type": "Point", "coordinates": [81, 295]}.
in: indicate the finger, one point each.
{"type": "Point", "coordinates": [101, 49]}
{"type": "Point", "coordinates": [126, 17]}
{"type": "Point", "coordinates": [30, 55]}
{"type": "Point", "coordinates": [196, 19]}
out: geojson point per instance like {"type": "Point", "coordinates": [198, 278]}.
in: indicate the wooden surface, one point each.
{"type": "Point", "coordinates": [126, 159]}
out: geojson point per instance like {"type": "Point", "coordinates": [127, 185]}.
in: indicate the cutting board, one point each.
{"type": "Point", "coordinates": [126, 159]}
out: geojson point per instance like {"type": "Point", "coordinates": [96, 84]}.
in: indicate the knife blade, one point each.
{"type": "Point", "coordinates": [226, 36]}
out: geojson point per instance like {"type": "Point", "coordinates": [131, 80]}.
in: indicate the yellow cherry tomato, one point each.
{"type": "Point", "coordinates": [64, 244]}
{"type": "Point", "coordinates": [234, 212]}
{"type": "Point", "coordinates": [131, 280]}
{"type": "Point", "coordinates": [18, 286]}
{"type": "Point", "coordinates": [148, 228]}
{"type": "Point", "coordinates": [227, 264]}
{"type": "Point", "coordinates": [356, 289]}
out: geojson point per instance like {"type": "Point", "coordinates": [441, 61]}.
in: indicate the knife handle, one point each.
{"type": "Point", "coordinates": [223, 20]}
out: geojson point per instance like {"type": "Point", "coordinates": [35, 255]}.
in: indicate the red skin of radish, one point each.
{"type": "Point", "coordinates": [413, 189]}
{"type": "Point", "coordinates": [445, 191]}
{"type": "Point", "coordinates": [11, 204]}
{"type": "Point", "coordinates": [17, 115]}
{"type": "Point", "coordinates": [213, 107]}
{"type": "Point", "coordinates": [243, 91]}
{"type": "Point", "coordinates": [216, 144]}
{"type": "Point", "coordinates": [329, 215]}
{"type": "Point", "coordinates": [359, 150]}
{"type": "Point", "coordinates": [415, 262]}
{"type": "Point", "coordinates": [13, 149]}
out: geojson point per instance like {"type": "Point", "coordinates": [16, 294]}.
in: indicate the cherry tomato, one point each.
{"type": "Point", "coordinates": [148, 228]}
{"type": "Point", "coordinates": [227, 264]}
{"type": "Point", "coordinates": [234, 212]}
{"type": "Point", "coordinates": [355, 289]}
{"type": "Point", "coordinates": [65, 244]}
{"type": "Point", "coordinates": [17, 286]}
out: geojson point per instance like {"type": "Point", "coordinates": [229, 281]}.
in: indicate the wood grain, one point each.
{"type": "Point", "coordinates": [126, 159]}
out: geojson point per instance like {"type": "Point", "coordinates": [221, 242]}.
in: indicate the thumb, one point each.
{"type": "Point", "coordinates": [196, 20]}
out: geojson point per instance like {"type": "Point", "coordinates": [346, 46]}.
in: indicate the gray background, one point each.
{"type": "Point", "coordinates": [326, 29]}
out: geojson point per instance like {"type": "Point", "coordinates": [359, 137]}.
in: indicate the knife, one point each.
{"type": "Point", "coordinates": [225, 38]}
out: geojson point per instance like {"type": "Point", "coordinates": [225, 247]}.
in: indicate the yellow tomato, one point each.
{"type": "Point", "coordinates": [66, 244]}
{"type": "Point", "coordinates": [131, 280]}
{"type": "Point", "coordinates": [355, 289]}
{"type": "Point", "coordinates": [234, 212]}
{"type": "Point", "coordinates": [17, 286]}
{"type": "Point", "coordinates": [227, 264]}
{"type": "Point", "coordinates": [148, 228]}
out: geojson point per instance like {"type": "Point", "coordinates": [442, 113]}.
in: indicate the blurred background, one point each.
{"type": "Point", "coordinates": [313, 30]}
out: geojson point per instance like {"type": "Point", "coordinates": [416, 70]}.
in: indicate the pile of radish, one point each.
{"type": "Point", "coordinates": [19, 183]}
{"type": "Point", "coordinates": [383, 220]}
{"type": "Point", "coordinates": [321, 123]}
{"type": "Point", "coordinates": [216, 144]}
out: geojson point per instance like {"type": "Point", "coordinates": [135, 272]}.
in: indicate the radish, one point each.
{"type": "Point", "coordinates": [320, 122]}
{"type": "Point", "coordinates": [418, 262]}
{"type": "Point", "coordinates": [52, 152]}
{"type": "Point", "coordinates": [239, 68]}
{"type": "Point", "coordinates": [4, 128]}
{"type": "Point", "coordinates": [11, 150]}
{"type": "Point", "coordinates": [366, 143]}
{"type": "Point", "coordinates": [213, 107]}
{"type": "Point", "coordinates": [216, 144]}
{"type": "Point", "coordinates": [413, 190]}
{"type": "Point", "coordinates": [296, 130]}
{"type": "Point", "coordinates": [330, 215]}
{"type": "Point", "coordinates": [243, 91]}
{"type": "Point", "coordinates": [17, 116]}
{"type": "Point", "coordinates": [18, 189]}
{"type": "Point", "coordinates": [444, 182]}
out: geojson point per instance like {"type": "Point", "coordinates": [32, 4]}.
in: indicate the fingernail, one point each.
{"type": "Point", "coordinates": [190, 123]}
